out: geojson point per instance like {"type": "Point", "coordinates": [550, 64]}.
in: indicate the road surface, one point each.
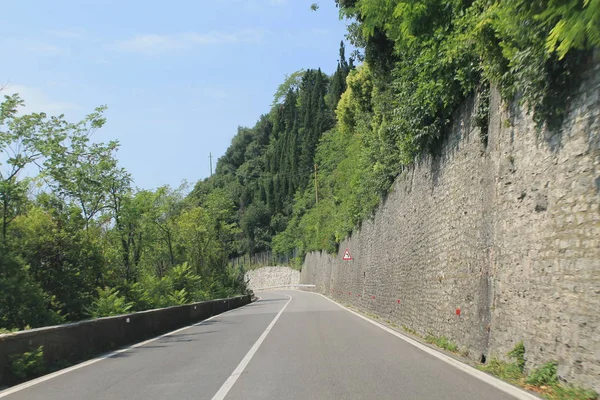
{"type": "Point", "coordinates": [288, 345]}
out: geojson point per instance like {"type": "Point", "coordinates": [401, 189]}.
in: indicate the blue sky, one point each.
{"type": "Point", "coordinates": [178, 77]}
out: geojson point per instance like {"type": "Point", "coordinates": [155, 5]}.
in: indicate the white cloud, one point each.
{"type": "Point", "coordinates": [153, 43]}
{"type": "Point", "coordinates": [66, 33]}
{"type": "Point", "coordinates": [45, 49]}
{"type": "Point", "coordinates": [36, 100]}
{"type": "Point", "coordinates": [150, 43]}
{"type": "Point", "coordinates": [35, 46]}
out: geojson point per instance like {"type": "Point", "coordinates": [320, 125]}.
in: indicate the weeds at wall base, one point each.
{"type": "Point", "coordinates": [510, 373]}
{"type": "Point", "coordinates": [542, 380]}
{"type": "Point", "coordinates": [442, 342]}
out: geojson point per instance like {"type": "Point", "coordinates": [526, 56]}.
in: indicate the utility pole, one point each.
{"type": "Point", "coordinates": [210, 158]}
{"type": "Point", "coordinates": [316, 186]}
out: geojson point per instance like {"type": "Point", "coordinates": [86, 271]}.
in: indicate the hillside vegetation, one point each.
{"type": "Point", "coordinates": [325, 155]}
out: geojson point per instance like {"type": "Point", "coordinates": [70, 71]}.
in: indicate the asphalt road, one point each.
{"type": "Point", "coordinates": [313, 349]}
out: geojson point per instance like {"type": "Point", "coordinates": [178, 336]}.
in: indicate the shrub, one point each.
{"type": "Point", "coordinates": [28, 364]}
{"type": "Point", "coordinates": [518, 353]}
{"type": "Point", "coordinates": [109, 303]}
{"type": "Point", "coordinates": [544, 375]}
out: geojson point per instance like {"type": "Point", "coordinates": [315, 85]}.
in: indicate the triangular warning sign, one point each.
{"type": "Point", "coordinates": [347, 256]}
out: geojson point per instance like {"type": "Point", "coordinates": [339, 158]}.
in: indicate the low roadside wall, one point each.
{"type": "Point", "coordinates": [79, 341]}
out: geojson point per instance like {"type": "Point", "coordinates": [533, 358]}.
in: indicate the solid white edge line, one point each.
{"type": "Point", "coordinates": [495, 382]}
{"type": "Point", "coordinates": [28, 384]}
{"type": "Point", "coordinates": [226, 387]}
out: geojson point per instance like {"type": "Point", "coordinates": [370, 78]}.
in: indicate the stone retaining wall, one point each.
{"type": "Point", "coordinates": [270, 277]}
{"type": "Point", "coordinates": [490, 245]}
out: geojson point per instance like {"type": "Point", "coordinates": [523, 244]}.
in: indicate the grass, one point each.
{"type": "Point", "coordinates": [410, 330]}
{"type": "Point", "coordinates": [372, 316]}
{"type": "Point", "coordinates": [442, 342]}
{"type": "Point", "coordinates": [508, 372]}
{"type": "Point", "coordinates": [542, 380]}
{"type": "Point", "coordinates": [539, 380]}
{"type": "Point", "coordinates": [561, 392]}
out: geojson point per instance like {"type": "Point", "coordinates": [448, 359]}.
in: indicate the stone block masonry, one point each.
{"type": "Point", "coordinates": [490, 245]}
{"type": "Point", "coordinates": [271, 277]}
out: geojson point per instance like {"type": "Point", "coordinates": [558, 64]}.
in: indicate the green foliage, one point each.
{"type": "Point", "coordinates": [409, 330]}
{"type": "Point", "coordinates": [28, 365]}
{"type": "Point", "coordinates": [518, 353]}
{"type": "Point", "coordinates": [338, 79]}
{"type": "Point", "coordinates": [442, 342]}
{"type": "Point", "coordinates": [436, 52]}
{"type": "Point", "coordinates": [482, 115]}
{"type": "Point", "coordinates": [423, 58]}
{"type": "Point", "coordinates": [23, 303]}
{"type": "Point", "coordinates": [544, 375]}
{"type": "Point", "coordinates": [291, 83]}
{"type": "Point", "coordinates": [109, 303]}
{"type": "Point", "coordinates": [512, 372]}
{"type": "Point", "coordinates": [561, 392]}
{"type": "Point", "coordinates": [576, 25]}
{"type": "Point", "coordinates": [179, 297]}
{"type": "Point", "coordinates": [509, 372]}
{"type": "Point", "coordinates": [52, 238]}
{"type": "Point", "coordinates": [543, 379]}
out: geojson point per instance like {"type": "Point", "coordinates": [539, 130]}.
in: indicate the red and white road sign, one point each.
{"type": "Point", "coordinates": [347, 256]}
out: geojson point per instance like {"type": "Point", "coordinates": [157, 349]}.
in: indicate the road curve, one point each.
{"type": "Point", "coordinates": [288, 345]}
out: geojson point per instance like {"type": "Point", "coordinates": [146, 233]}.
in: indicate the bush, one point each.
{"type": "Point", "coordinates": [28, 364]}
{"type": "Point", "coordinates": [109, 303]}
{"type": "Point", "coordinates": [510, 372]}
{"type": "Point", "coordinates": [22, 301]}
{"type": "Point", "coordinates": [518, 353]}
{"type": "Point", "coordinates": [543, 376]}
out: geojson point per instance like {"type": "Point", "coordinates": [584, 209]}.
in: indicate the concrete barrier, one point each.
{"type": "Point", "coordinates": [78, 341]}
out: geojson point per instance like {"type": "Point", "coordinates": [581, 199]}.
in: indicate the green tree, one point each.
{"type": "Point", "coordinates": [63, 259]}
{"type": "Point", "coordinates": [23, 303]}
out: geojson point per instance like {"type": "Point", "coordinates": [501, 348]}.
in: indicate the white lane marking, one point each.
{"type": "Point", "coordinates": [44, 378]}
{"type": "Point", "coordinates": [497, 383]}
{"type": "Point", "coordinates": [220, 395]}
